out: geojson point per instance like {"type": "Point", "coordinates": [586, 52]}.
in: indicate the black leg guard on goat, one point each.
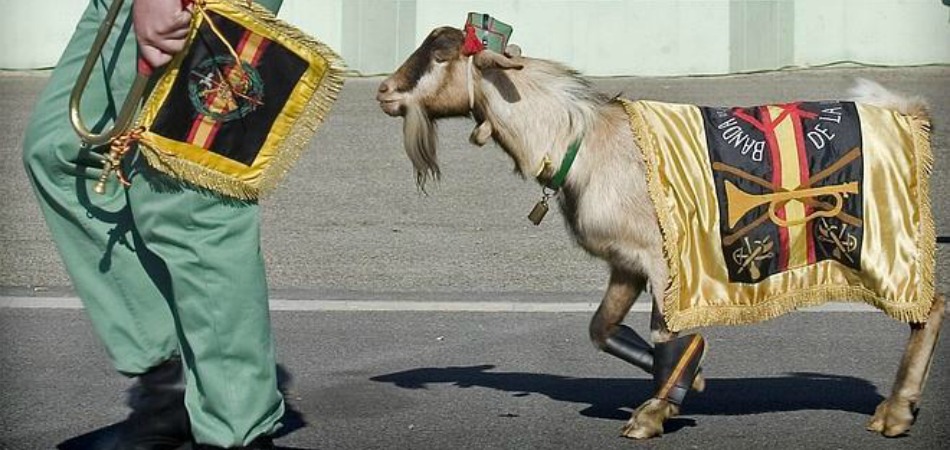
{"type": "Point", "coordinates": [627, 345]}
{"type": "Point", "coordinates": [676, 366]}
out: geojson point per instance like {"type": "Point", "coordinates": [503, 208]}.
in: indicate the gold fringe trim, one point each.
{"type": "Point", "coordinates": [775, 306]}
{"type": "Point", "coordinates": [301, 132]}
{"type": "Point", "coordinates": [649, 151]}
{"type": "Point", "coordinates": [927, 234]}
{"type": "Point", "coordinates": [783, 304]}
{"type": "Point", "coordinates": [189, 172]}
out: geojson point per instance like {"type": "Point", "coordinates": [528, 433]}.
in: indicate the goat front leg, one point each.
{"type": "Point", "coordinates": [606, 331]}
{"type": "Point", "coordinates": [895, 415]}
{"type": "Point", "coordinates": [676, 368]}
{"type": "Point", "coordinates": [610, 335]}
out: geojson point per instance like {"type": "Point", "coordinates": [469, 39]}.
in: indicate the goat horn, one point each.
{"type": "Point", "coordinates": [481, 134]}
{"type": "Point", "coordinates": [488, 59]}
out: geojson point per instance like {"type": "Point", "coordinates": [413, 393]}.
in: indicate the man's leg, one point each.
{"type": "Point", "coordinates": [227, 343]}
{"type": "Point", "coordinates": [118, 280]}
{"type": "Point", "coordinates": [211, 247]}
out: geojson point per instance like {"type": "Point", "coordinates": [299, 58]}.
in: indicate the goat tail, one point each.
{"type": "Point", "coordinates": [872, 93]}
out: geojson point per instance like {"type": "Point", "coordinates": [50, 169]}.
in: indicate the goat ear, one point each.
{"type": "Point", "coordinates": [481, 134]}
{"type": "Point", "coordinates": [488, 59]}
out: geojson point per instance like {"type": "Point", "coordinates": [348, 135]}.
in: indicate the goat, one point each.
{"type": "Point", "coordinates": [535, 109]}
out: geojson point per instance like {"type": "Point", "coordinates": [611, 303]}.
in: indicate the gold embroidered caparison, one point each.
{"type": "Point", "coordinates": [771, 208]}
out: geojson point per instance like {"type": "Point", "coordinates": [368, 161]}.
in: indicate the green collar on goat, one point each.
{"type": "Point", "coordinates": [557, 181]}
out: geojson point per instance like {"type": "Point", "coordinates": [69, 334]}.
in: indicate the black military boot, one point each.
{"type": "Point", "coordinates": [261, 443]}
{"type": "Point", "coordinates": [159, 420]}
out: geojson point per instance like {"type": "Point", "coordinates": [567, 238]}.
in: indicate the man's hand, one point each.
{"type": "Point", "coordinates": [161, 27]}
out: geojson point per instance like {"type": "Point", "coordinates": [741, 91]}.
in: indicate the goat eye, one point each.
{"type": "Point", "coordinates": [442, 57]}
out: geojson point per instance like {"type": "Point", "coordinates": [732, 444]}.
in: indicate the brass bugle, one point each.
{"type": "Point", "coordinates": [739, 202]}
{"type": "Point", "coordinates": [132, 100]}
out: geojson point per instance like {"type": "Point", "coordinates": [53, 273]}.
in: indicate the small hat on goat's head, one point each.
{"type": "Point", "coordinates": [483, 31]}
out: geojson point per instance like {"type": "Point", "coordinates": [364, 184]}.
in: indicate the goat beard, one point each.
{"type": "Point", "coordinates": [420, 140]}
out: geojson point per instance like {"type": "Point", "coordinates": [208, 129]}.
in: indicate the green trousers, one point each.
{"type": "Point", "coordinates": [160, 271]}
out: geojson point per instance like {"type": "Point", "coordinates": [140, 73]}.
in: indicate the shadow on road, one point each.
{"type": "Point", "coordinates": [105, 438]}
{"type": "Point", "coordinates": [614, 398]}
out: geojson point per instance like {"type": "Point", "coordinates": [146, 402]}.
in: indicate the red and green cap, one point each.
{"type": "Point", "coordinates": [483, 31]}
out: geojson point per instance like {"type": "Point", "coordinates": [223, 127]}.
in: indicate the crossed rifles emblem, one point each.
{"type": "Point", "coordinates": [739, 203]}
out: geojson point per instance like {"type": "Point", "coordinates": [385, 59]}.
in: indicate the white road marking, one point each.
{"type": "Point", "coordinates": [73, 303]}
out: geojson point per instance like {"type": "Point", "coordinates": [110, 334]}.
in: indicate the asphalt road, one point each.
{"type": "Point", "coordinates": [443, 380]}
{"type": "Point", "coordinates": [348, 236]}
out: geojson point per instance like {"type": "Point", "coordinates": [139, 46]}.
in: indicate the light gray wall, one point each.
{"type": "Point", "coordinates": [891, 32]}
{"type": "Point", "coordinates": [606, 37]}
{"type": "Point", "coordinates": [761, 35]}
{"type": "Point", "coordinates": [598, 37]}
{"type": "Point", "coordinates": [378, 34]}
{"type": "Point", "coordinates": [32, 37]}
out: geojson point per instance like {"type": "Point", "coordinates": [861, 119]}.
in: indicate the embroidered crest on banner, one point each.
{"type": "Point", "coordinates": [788, 182]}
{"type": "Point", "coordinates": [221, 91]}
{"type": "Point", "coordinates": [224, 108]}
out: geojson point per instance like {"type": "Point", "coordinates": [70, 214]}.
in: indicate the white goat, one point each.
{"type": "Point", "coordinates": [535, 109]}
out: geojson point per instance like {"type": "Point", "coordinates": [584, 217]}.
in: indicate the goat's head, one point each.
{"type": "Point", "coordinates": [434, 83]}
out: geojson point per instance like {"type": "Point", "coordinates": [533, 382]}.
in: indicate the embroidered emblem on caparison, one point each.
{"type": "Point", "coordinates": [753, 254]}
{"type": "Point", "coordinates": [788, 181]}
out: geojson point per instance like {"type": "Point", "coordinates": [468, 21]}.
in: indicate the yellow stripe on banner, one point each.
{"type": "Point", "coordinates": [203, 132]}
{"type": "Point", "coordinates": [251, 46]}
{"type": "Point", "coordinates": [791, 179]}
{"type": "Point", "coordinates": [222, 103]}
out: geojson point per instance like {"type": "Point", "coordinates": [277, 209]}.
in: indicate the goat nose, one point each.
{"type": "Point", "coordinates": [383, 87]}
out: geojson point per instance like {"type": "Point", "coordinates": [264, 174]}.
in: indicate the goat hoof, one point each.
{"type": "Point", "coordinates": [892, 418]}
{"type": "Point", "coordinates": [647, 421]}
{"type": "Point", "coordinates": [699, 383]}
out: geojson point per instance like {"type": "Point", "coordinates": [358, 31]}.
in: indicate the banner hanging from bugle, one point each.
{"type": "Point", "coordinates": [235, 109]}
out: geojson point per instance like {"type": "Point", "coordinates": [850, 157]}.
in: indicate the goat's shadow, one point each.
{"type": "Point", "coordinates": [614, 398]}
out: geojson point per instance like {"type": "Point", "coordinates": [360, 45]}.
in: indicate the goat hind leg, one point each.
{"type": "Point", "coordinates": [895, 415]}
